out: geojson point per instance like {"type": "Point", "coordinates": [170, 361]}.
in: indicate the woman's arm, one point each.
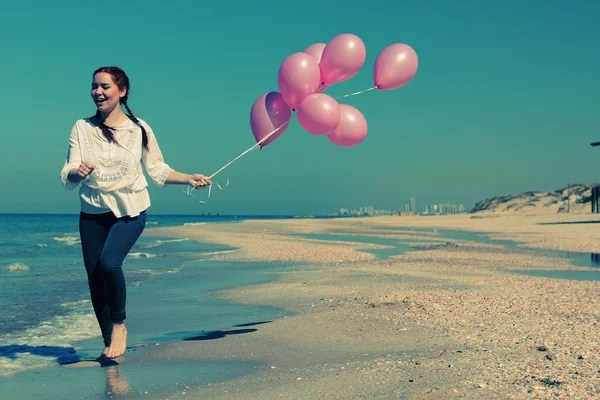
{"type": "Point", "coordinates": [196, 180]}
{"type": "Point", "coordinates": [160, 172]}
{"type": "Point", "coordinates": [74, 170]}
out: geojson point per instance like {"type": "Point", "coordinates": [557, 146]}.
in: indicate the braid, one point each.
{"type": "Point", "coordinates": [122, 81]}
{"type": "Point", "coordinates": [137, 122]}
{"type": "Point", "coordinates": [106, 130]}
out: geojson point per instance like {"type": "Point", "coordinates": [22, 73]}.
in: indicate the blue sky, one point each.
{"type": "Point", "coordinates": [505, 99]}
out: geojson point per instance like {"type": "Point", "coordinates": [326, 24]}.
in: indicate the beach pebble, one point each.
{"type": "Point", "coordinates": [298, 379]}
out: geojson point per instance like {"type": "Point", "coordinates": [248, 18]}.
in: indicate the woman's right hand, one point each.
{"type": "Point", "coordinates": [80, 173]}
{"type": "Point", "coordinates": [85, 169]}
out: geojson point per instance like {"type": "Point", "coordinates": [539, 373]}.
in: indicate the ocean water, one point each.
{"type": "Point", "coordinates": [401, 246]}
{"type": "Point", "coordinates": [46, 313]}
{"type": "Point", "coordinates": [397, 246]}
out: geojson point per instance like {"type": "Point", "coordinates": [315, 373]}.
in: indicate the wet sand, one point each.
{"type": "Point", "coordinates": [451, 321]}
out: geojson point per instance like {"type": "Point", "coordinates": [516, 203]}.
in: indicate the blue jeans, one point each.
{"type": "Point", "coordinates": [105, 241]}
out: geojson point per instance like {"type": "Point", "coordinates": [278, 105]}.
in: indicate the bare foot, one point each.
{"type": "Point", "coordinates": [118, 341]}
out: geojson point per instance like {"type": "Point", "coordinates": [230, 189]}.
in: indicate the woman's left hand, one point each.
{"type": "Point", "coordinates": [199, 180]}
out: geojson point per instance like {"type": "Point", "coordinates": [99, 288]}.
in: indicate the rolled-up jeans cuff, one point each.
{"type": "Point", "coordinates": [117, 318]}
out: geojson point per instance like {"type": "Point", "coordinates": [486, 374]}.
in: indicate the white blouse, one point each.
{"type": "Point", "coordinates": [117, 183]}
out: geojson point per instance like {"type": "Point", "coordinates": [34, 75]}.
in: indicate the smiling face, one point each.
{"type": "Point", "coordinates": [105, 92]}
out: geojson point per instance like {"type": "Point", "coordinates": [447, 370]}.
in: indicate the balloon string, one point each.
{"type": "Point", "coordinates": [356, 93]}
{"type": "Point", "coordinates": [191, 188]}
{"type": "Point", "coordinates": [253, 147]}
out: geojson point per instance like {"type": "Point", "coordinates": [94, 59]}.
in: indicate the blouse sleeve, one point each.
{"type": "Point", "coordinates": [73, 160]}
{"type": "Point", "coordinates": [153, 160]}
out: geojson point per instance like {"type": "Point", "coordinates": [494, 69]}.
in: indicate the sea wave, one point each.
{"type": "Point", "coordinates": [17, 267]}
{"type": "Point", "coordinates": [156, 272]}
{"type": "Point", "coordinates": [143, 255]}
{"type": "Point", "coordinates": [69, 240]}
{"type": "Point", "coordinates": [44, 344]}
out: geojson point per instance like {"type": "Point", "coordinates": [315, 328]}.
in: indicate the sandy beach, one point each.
{"type": "Point", "coordinates": [450, 319]}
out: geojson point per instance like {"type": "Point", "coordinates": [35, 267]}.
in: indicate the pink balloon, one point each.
{"type": "Point", "coordinates": [316, 50]}
{"type": "Point", "coordinates": [395, 66]}
{"type": "Point", "coordinates": [342, 58]}
{"type": "Point", "coordinates": [319, 114]}
{"type": "Point", "coordinates": [268, 113]}
{"type": "Point", "coordinates": [298, 78]}
{"type": "Point", "coordinates": [352, 128]}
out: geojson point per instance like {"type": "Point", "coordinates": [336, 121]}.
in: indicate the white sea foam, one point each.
{"type": "Point", "coordinates": [40, 346]}
{"type": "Point", "coordinates": [17, 267]}
{"type": "Point", "coordinates": [42, 245]}
{"type": "Point", "coordinates": [68, 239]}
{"type": "Point", "coordinates": [194, 223]}
{"type": "Point", "coordinates": [173, 240]}
{"type": "Point", "coordinates": [152, 272]}
{"type": "Point", "coordinates": [159, 242]}
{"type": "Point", "coordinates": [143, 255]}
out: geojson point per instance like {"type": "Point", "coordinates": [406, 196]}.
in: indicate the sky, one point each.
{"type": "Point", "coordinates": [505, 99]}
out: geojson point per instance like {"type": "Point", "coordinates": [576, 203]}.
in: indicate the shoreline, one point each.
{"type": "Point", "coordinates": [452, 318]}
{"type": "Point", "coordinates": [162, 310]}
{"type": "Point", "coordinates": [361, 325]}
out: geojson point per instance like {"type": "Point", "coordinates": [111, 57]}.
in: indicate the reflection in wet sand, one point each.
{"type": "Point", "coordinates": [116, 385]}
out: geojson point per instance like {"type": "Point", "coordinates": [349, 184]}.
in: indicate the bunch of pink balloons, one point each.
{"type": "Point", "coordinates": [302, 78]}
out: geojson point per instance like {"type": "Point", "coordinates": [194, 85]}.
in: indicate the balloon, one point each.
{"type": "Point", "coordinates": [298, 78]}
{"type": "Point", "coordinates": [319, 114]}
{"type": "Point", "coordinates": [316, 50]}
{"type": "Point", "coordinates": [352, 128]}
{"type": "Point", "coordinates": [342, 58]}
{"type": "Point", "coordinates": [268, 112]}
{"type": "Point", "coordinates": [395, 66]}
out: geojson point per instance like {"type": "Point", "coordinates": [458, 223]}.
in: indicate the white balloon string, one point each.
{"type": "Point", "coordinates": [356, 93]}
{"type": "Point", "coordinates": [191, 188]}
{"type": "Point", "coordinates": [259, 143]}
{"type": "Point", "coordinates": [323, 87]}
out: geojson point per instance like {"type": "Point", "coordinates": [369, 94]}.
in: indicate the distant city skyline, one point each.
{"type": "Point", "coordinates": [409, 208]}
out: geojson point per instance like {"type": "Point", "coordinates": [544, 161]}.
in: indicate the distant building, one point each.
{"type": "Point", "coordinates": [408, 209]}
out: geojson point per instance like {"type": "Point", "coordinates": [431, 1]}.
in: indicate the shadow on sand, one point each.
{"type": "Point", "coordinates": [211, 335]}
{"type": "Point", "coordinates": [68, 355]}
{"type": "Point", "coordinates": [63, 355]}
{"type": "Point", "coordinates": [59, 352]}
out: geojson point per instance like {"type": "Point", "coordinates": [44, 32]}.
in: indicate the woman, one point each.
{"type": "Point", "coordinates": [106, 154]}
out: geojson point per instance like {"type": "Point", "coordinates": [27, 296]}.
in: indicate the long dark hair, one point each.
{"type": "Point", "coordinates": [122, 82]}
